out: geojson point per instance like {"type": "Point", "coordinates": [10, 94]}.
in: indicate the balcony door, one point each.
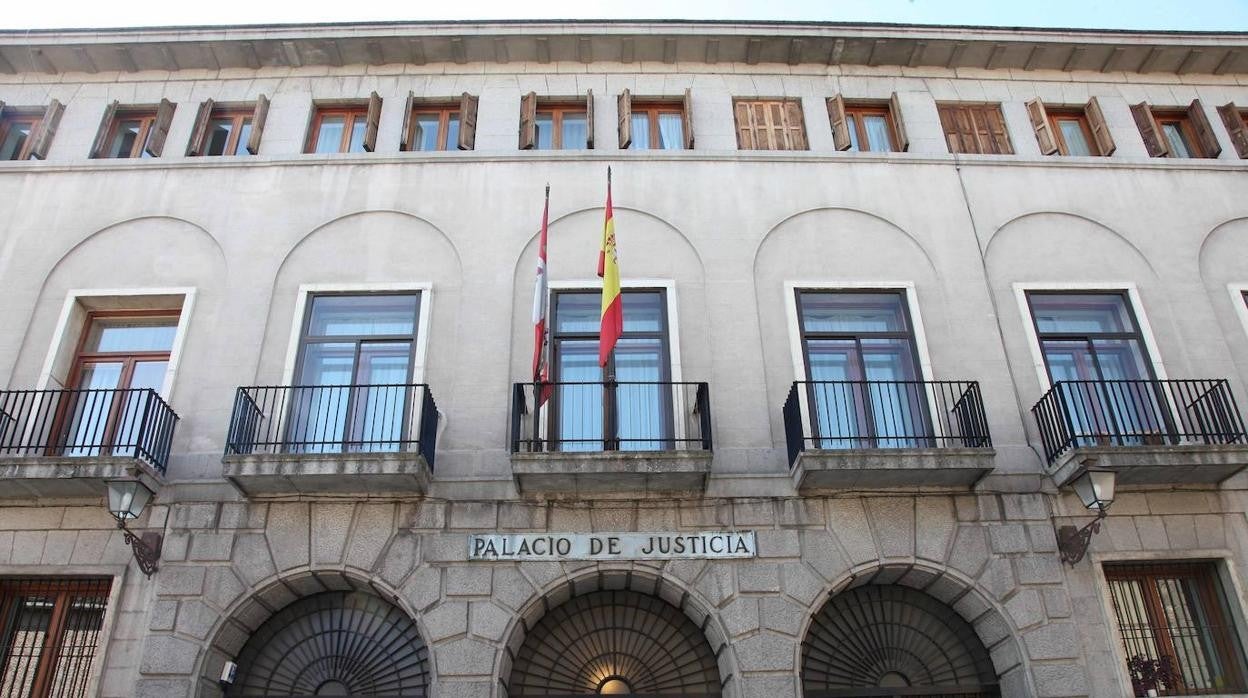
{"type": "Point", "coordinates": [121, 354]}
{"type": "Point", "coordinates": [352, 387]}
{"type": "Point", "coordinates": [632, 414]}
{"type": "Point", "coordinates": [1095, 356]}
{"type": "Point", "coordinates": [863, 377]}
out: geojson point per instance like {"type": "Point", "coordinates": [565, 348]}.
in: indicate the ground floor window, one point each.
{"type": "Point", "coordinates": [51, 631]}
{"type": "Point", "coordinates": [1176, 629]}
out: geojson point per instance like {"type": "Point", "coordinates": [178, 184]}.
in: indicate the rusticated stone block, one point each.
{"type": "Point", "coordinates": [165, 654]}
{"type": "Point", "coordinates": [1059, 680]}
{"type": "Point", "coordinates": [1057, 640]}
{"type": "Point", "coordinates": [970, 550]}
{"type": "Point", "coordinates": [1009, 538]}
{"type": "Point", "coordinates": [180, 580]}
{"type": "Point", "coordinates": [848, 521]}
{"type": "Point", "coordinates": [781, 615]}
{"type": "Point", "coordinates": [252, 558]}
{"type": "Point", "coordinates": [331, 524]}
{"type": "Point", "coordinates": [464, 657]}
{"type": "Point", "coordinates": [374, 524]}
{"type": "Point", "coordinates": [778, 544]}
{"type": "Point", "coordinates": [468, 580]}
{"type": "Point", "coordinates": [476, 516]}
{"type": "Point", "coordinates": [487, 620]}
{"type": "Point", "coordinates": [799, 582]}
{"type": "Point", "coordinates": [399, 557]}
{"type": "Point", "coordinates": [1026, 608]}
{"type": "Point", "coordinates": [765, 652]}
{"type": "Point", "coordinates": [740, 616]}
{"type": "Point", "coordinates": [892, 520]}
{"type": "Point", "coordinates": [445, 620]}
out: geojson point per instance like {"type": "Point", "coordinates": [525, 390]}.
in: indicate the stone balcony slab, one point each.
{"type": "Point", "coordinates": [611, 473]}
{"type": "Point", "coordinates": [1183, 464]}
{"type": "Point", "coordinates": [68, 476]}
{"type": "Point", "coordinates": [270, 474]}
{"type": "Point", "coordinates": [875, 468]}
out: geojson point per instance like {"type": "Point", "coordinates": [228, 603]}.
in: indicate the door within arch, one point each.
{"type": "Point", "coordinates": [336, 643]}
{"type": "Point", "coordinates": [886, 640]}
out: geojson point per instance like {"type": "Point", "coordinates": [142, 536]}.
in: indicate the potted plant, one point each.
{"type": "Point", "coordinates": [1149, 677]}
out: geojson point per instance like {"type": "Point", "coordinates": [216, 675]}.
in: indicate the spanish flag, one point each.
{"type": "Point", "coordinates": [609, 269]}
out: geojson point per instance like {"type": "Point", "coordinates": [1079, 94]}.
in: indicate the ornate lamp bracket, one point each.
{"type": "Point", "coordinates": [146, 548]}
{"type": "Point", "coordinates": [1073, 542]}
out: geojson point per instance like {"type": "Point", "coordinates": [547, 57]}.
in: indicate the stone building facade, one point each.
{"type": "Point", "coordinates": [949, 515]}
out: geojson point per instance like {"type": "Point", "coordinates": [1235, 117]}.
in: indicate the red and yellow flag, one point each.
{"type": "Point", "coordinates": [609, 269]}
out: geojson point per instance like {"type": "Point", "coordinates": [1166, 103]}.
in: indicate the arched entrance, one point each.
{"type": "Point", "coordinates": [890, 640]}
{"type": "Point", "coordinates": [335, 643]}
{"type": "Point", "coordinates": [607, 642]}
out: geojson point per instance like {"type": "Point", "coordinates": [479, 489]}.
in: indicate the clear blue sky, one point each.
{"type": "Point", "coordinates": [1210, 15]}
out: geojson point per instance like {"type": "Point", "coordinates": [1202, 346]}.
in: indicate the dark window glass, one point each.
{"type": "Point", "coordinates": [15, 137]}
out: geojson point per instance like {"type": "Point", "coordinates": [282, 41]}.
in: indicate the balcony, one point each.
{"type": "Point", "coordinates": [882, 434]}
{"type": "Point", "coordinates": [1152, 432]}
{"type": "Point", "coordinates": [66, 443]}
{"type": "Point", "coordinates": [332, 439]}
{"type": "Point", "coordinates": [613, 438]}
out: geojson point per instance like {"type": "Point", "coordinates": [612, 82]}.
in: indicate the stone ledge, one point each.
{"type": "Point", "coordinates": [69, 476]}
{"type": "Point", "coordinates": [606, 473]}
{"type": "Point", "coordinates": [278, 474]}
{"type": "Point", "coordinates": [873, 468]}
{"type": "Point", "coordinates": [1186, 464]}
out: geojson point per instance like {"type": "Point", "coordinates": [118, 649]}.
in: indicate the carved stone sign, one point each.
{"type": "Point", "coordinates": [658, 545]}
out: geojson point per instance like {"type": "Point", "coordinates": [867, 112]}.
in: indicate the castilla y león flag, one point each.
{"type": "Point", "coordinates": [541, 371]}
{"type": "Point", "coordinates": [609, 269]}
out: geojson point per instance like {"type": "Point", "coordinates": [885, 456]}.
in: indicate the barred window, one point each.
{"type": "Point", "coordinates": [1176, 630]}
{"type": "Point", "coordinates": [51, 629]}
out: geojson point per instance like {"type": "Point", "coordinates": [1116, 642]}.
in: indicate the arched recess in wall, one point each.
{"type": "Point", "coordinates": [896, 630]}
{"type": "Point", "coordinates": [377, 248]}
{"type": "Point", "coordinates": [1224, 271]}
{"type": "Point", "coordinates": [830, 246]}
{"type": "Point", "coordinates": [649, 248]}
{"type": "Point", "coordinates": [317, 632]}
{"type": "Point", "coordinates": [622, 631]}
{"type": "Point", "coordinates": [140, 253]}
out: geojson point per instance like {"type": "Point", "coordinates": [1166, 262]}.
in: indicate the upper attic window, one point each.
{"type": "Point", "coordinates": [557, 124]}
{"type": "Point", "coordinates": [224, 129]}
{"type": "Point", "coordinates": [133, 131]}
{"type": "Point", "coordinates": [1176, 132]}
{"type": "Point", "coordinates": [345, 128]}
{"type": "Point", "coordinates": [27, 132]}
{"type": "Point", "coordinates": [975, 128]}
{"type": "Point", "coordinates": [770, 124]}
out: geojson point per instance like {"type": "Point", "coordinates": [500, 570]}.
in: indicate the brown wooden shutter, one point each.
{"type": "Point", "coordinates": [409, 122]}
{"type": "Point", "coordinates": [794, 125]}
{"type": "Point", "coordinates": [467, 122]}
{"type": "Point", "coordinates": [258, 117]}
{"type": "Point", "coordinates": [1040, 123]}
{"type": "Point", "coordinates": [686, 119]}
{"type": "Point", "coordinates": [589, 119]}
{"type": "Point", "coordinates": [46, 131]}
{"type": "Point", "coordinates": [745, 127]}
{"type": "Point", "coordinates": [1000, 134]}
{"type": "Point", "coordinates": [528, 121]}
{"type": "Point", "coordinates": [106, 127]}
{"type": "Point", "coordinates": [1235, 127]}
{"type": "Point", "coordinates": [899, 126]}
{"type": "Point", "coordinates": [1154, 141]}
{"type": "Point", "coordinates": [624, 113]}
{"type": "Point", "coordinates": [840, 126]}
{"type": "Point", "coordinates": [1, 107]}
{"type": "Point", "coordinates": [160, 129]}
{"type": "Point", "coordinates": [372, 122]}
{"type": "Point", "coordinates": [200, 133]}
{"type": "Point", "coordinates": [1100, 127]}
{"type": "Point", "coordinates": [1204, 130]}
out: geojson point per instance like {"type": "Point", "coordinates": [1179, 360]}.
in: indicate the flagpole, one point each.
{"type": "Point", "coordinates": [609, 387]}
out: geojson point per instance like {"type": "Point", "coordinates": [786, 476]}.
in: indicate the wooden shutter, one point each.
{"type": "Point", "coordinates": [528, 121]}
{"type": "Point", "coordinates": [899, 126]}
{"type": "Point", "coordinates": [1100, 128]}
{"type": "Point", "coordinates": [467, 122]}
{"type": "Point", "coordinates": [794, 126]}
{"type": "Point", "coordinates": [999, 133]}
{"type": "Point", "coordinates": [46, 130]}
{"type": "Point", "coordinates": [372, 122]}
{"type": "Point", "coordinates": [1154, 141]}
{"type": "Point", "coordinates": [200, 134]}
{"type": "Point", "coordinates": [258, 117]}
{"type": "Point", "coordinates": [1204, 130]}
{"type": "Point", "coordinates": [686, 119]}
{"type": "Point", "coordinates": [1235, 127]}
{"type": "Point", "coordinates": [840, 126]}
{"type": "Point", "coordinates": [106, 127]}
{"type": "Point", "coordinates": [745, 125]}
{"type": "Point", "coordinates": [1, 107]}
{"type": "Point", "coordinates": [1040, 124]}
{"type": "Point", "coordinates": [409, 122]}
{"type": "Point", "coordinates": [624, 113]}
{"type": "Point", "coordinates": [589, 119]}
{"type": "Point", "coordinates": [160, 129]}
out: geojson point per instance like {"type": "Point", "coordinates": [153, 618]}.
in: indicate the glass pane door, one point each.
{"type": "Point", "coordinates": [641, 401]}
{"type": "Point", "coordinates": [90, 408]}
{"type": "Point", "coordinates": [380, 402]}
{"type": "Point", "coordinates": [144, 375]}
{"type": "Point", "coordinates": [578, 415]}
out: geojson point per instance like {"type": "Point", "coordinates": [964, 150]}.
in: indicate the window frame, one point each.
{"type": "Point", "coordinates": [857, 110]}
{"type": "Point", "coordinates": [973, 109]}
{"type": "Point", "coordinates": [1180, 118]}
{"type": "Point", "coordinates": [239, 117]}
{"type": "Point", "coordinates": [787, 128]}
{"type": "Point", "coordinates": [128, 359]}
{"type": "Point", "coordinates": [1088, 338]}
{"type": "Point", "coordinates": [1239, 301]}
{"type": "Point", "coordinates": [652, 108]}
{"type": "Point", "coordinates": [147, 122]}
{"type": "Point", "coordinates": [65, 589]}
{"type": "Point", "coordinates": [556, 111]}
{"type": "Point", "coordinates": [358, 340]}
{"type": "Point", "coordinates": [9, 118]}
{"type": "Point", "coordinates": [804, 334]}
{"type": "Point", "coordinates": [1057, 114]}
{"type": "Point", "coordinates": [444, 111]}
{"type": "Point", "coordinates": [350, 113]}
{"type": "Point", "coordinates": [1217, 587]}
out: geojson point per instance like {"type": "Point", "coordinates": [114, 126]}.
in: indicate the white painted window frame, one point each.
{"type": "Point", "coordinates": [72, 300]}
{"type": "Point", "coordinates": [1237, 291]}
{"type": "Point", "coordinates": [1145, 328]}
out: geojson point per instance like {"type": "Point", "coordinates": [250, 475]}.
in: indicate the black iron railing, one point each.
{"type": "Point", "coordinates": [884, 414]}
{"type": "Point", "coordinates": [334, 419]}
{"type": "Point", "coordinates": [1137, 413]}
{"type": "Point", "coordinates": [85, 423]}
{"type": "Point", "coordinates": [611, 416]}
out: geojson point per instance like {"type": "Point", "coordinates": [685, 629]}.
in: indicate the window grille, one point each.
{"type": "Point", "coordinates": [51, 630]}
